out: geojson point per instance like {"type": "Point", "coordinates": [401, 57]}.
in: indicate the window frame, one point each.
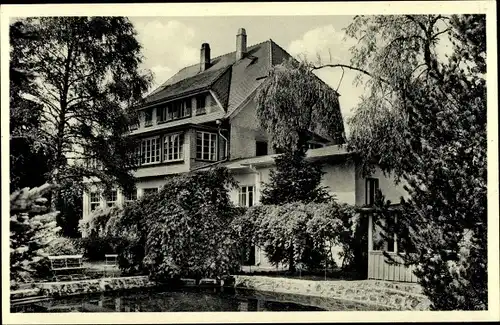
{"type": "Point", "coordinates": [243, 192]}
{"type": "Point", "coordinates": [158, 149]}
{"type": "Point", "coordinates": [111, 203]}
{"type": "Point", "coordinates": [92, 203]}
{"type": "Point", "coordinates": [182, 107]}
{"type": "Point", "coordinates": [215, 147]}
{"type": "Point", "coordinates": [166, 147]}
{"type": "Point", "coordinates": [385, 244]}
{"type": "Point", "coordinates": [146, 189]}
{"type": "Point", "coordinates": [126, 196]}
{"type": "Point", "coordinates": [198, 110]}
{"type": "Point", "coordinates": [148, 112]}
{"type": "Point", "coordinates": [370, 199]}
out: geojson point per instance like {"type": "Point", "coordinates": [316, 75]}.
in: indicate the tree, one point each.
{"type": "Point", "coordinates": [86, 78]}
{"type": "Point", "coordinates": [28, 157]}
{"type": "Point", "coordinates": [294, 180]}
{"type": "Point", "coordinates": [424, 121]}
{"type": "Point", "coordinates": [291, 105]}
{"type": "Point", "coordinates": [31, 231]}
{"type": "Point", "coordinates": [292, 102]}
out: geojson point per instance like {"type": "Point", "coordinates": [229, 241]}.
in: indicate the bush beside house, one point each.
{"type": "Point", "coordinates": [308, 232]}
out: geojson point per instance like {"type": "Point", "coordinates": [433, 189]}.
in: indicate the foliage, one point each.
{"type": "Point", "coordinates": [101, 235]}
{"type": "Point", "coordinates": [69, 203]}
{"type": "Point", "coordinates": [184, 230]}
{"type": "Point", "coordinates": [85, 79]}
{"type": "Point", "coordinates": [425, 121]}
{"type": "Point", "coordinates": [304, 232]}
{"type": "Point", "coordinates": [188, 233]}
{"type": "Point", "coordinates": [58, 246]}
{"type": "Point", "coordinates": [28, 157]}
{"type": "Point", "coordinates": [292, 102]}
{"type": "Point", "coordinates": [31, 231]}
{"type": "Point", "coordinates": [294, 180]}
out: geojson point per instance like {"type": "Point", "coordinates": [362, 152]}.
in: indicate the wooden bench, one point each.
{"type": "Point", "coordinates": [112, 259]}
{"type": "Point", "coordinates": [111, 262]}
{"type": "Point", "coordinates": [68, 264]}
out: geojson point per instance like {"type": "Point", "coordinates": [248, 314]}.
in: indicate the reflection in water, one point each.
{"type": "Point", "coordinates": [187, 299]}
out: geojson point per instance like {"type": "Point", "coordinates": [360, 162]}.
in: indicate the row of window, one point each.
{"type": "Point", "coordinates": [175, 110]}
{"type": "Point", "coordinates": [112, 198]}
{"type": "Point", "coordinates": [170, 147]}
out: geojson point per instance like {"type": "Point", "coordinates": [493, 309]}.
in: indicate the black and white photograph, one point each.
{"type": "Point", "coordinates": [183, 159]}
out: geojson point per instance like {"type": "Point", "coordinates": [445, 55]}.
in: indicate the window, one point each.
{"type": "Point", "coordinates": [150, 150]}
{"type": "Point", "coordinates": [371, 189]}
{"type": "Point", "coordinates": [172, 147]}
{"type": "Point", "coordinates": [260, 148]}
{"type": "Point", "coordinates": [246, 196]}
{"type": "Point", "coordinates": [95, 201]}
{"type": "Point", "coordinates": [149, 191]}
{"type": "Point", "coordinates": [112, 197]}
{"type": "Point", "coordinates": [381, 242]}
{"type": "Point", "coordinates": [148, 117]}
{"type": "Point", "coordinates": [201, 105]}
{"type": "Point", "coordinates": [206, 146]}
{"type": "Point", "coordinates": [94, 163]}
{"type": "Point", "coordinates": [174, 110]}
{"type": "Point", "coordinates": [130, 196]}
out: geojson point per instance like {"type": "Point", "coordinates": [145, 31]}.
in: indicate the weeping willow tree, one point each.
{"type": "Point", "coordinates": [423, 119]}
{"type": "Point", "coordinates": [292, 105]}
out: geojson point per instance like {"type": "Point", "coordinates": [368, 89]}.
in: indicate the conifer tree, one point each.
{"type": "Point", "coordinates": [31, 230]}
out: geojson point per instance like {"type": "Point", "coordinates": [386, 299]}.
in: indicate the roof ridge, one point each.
{"type": "Point", "coordinates": [219, 56]}
{"type": "Point", "coordinates": [163, 85]}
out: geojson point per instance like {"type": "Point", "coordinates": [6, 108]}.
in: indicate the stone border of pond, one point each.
{"type": "Point", "coordinates": [386, 294]}
{"type": "Point", "coordinates": [383, 295]}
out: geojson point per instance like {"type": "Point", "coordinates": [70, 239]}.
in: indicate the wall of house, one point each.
{"type": "Point", "coordinates": [245, 130]}
{"type": "Point", "coordinates": [339, 178]}
{"type": "Point", "coordinates": [391, 191]}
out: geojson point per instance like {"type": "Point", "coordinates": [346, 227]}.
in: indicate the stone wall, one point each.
{"type": "Point", "coordinates": [59, 289]}
{"type": "Point", "coordinates": [389, 295]}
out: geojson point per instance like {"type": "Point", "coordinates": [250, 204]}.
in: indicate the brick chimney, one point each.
{"type": "Point", "coordinates": [241, 43]}
{"type": "Point", "coordinates": [204, 57]}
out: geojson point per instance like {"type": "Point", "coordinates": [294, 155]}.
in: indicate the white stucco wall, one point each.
{"type": "Point", "coordinates": [390, 190]}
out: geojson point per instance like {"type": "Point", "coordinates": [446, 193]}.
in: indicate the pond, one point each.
{"type": "Point", "coordinates": [188, 300]}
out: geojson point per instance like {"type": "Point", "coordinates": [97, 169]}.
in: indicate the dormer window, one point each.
{"type": "Point", "coordinates": [148, 117]}
{"type": "Point", "coordinates": [201, 104]}
{"type": "Point", "coordinates": [174, 110]}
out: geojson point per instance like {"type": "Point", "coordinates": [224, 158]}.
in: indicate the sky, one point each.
{"type": "Point", "coordinates": [171, 43]}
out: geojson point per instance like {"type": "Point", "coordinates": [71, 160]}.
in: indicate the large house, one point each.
{"type": "Point", "coordinates": [206, 114]}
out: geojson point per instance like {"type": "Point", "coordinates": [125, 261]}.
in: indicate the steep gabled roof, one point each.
{"type": "Point", "coordinates": [232, 81]}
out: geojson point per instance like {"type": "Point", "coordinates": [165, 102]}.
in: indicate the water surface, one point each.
{"type": "Point", "coordinates": [188, 300]}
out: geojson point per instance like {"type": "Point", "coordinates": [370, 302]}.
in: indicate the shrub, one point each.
{"type": "Point", "coordinates": [102, 235]}
{"type": "Point", "coordinates": [31, 231]}
{"type": "Point", "coordinates": [189, 233]}
{"type": "Point", "coordinates": [304, 234]}
{"type": "Point", "coordinates": [184, 230]}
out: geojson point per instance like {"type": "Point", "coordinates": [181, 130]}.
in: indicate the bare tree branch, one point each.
{"type": "Point", "coordinates": [338, 65]}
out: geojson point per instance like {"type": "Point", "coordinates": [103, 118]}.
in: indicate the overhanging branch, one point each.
{"type": "Point", "coordinates": [338, 65]}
